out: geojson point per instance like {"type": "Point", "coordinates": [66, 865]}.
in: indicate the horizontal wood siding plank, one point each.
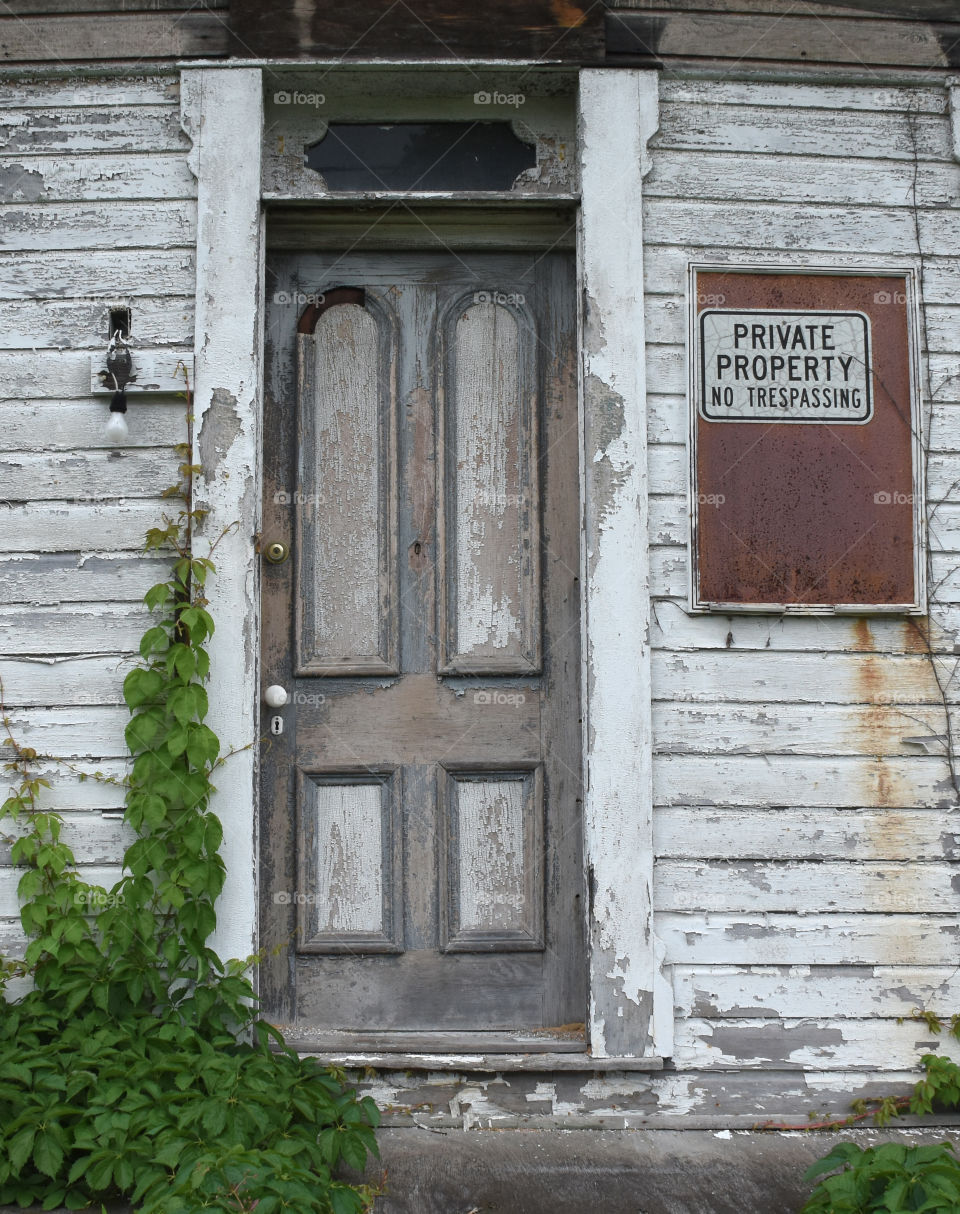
{"type": "Point", "coordinates": [97, 874]}
{"type": "Point", "coordinates": [64, 681]}
{"type": "Point", "coordinates": [813, 939]}
{"type": "Point", "coordinates": [101, 790]}
{"type": "Point", "coordinates": [42, 527]}
{"type": "Point", "coordinates": [94, 476]}
{"type": "Point", "coordinates": [695, 832]}
{"type": "Point", "coordinates": [837, 1044]}
{"type": "Point", "coordinates": [658, 36]}
{"type": "Point", "coordinates": [98, 275]}
{"type": "Point", "coordinates": [112, 128]}
{"type": "Point", "coordinates": [859, 992]}
{"type": "Point", "coordinates": [116, 177]}
{"type": "Point", "coordinates": [804, 678]}
{"type": "Point", "coordinates": [65, 374]}
{"type": "Point", "coordinates": [97, 91]}
{"type": "Point", "coordinates": [82, 226]}
{"type": "Point", "coordinates": [798, 96]}
{"type": "Point", "coordinates": [72, 629]}
{"type": "Point", "coordinates": [67, 39]}
{"type": "Point", "coordinates": [835, 781]}
{"type": "Point", "coordinates": [85, 322]}
{"type": "Point", "coordinates": [93, 839]}
{"type": "Point", "coordinates": [70, 733]}
{"type": "Point", "coordinates": [795, 729]}
{"type": "Point", "coordinates": [829, 886]}
{"type": "Point", "coordinates": [88, 577]}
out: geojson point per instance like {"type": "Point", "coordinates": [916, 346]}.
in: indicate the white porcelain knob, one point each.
{"type": "Point", "coordinates": [275, 696]}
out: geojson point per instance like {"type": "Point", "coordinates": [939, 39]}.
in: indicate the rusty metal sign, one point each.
{"type": "Point", "coordinates": [806, 491]}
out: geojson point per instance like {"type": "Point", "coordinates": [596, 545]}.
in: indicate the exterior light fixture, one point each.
{"type": "Point", "coordinates": [119, 372]}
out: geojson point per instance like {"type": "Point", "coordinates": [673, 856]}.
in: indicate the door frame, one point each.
{"type": "Point", "coordinates": [630, 1012]}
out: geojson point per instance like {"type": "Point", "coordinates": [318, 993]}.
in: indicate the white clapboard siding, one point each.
{"type": "Point", "coordinates": [855, 134]}
{"type": "Point", "coordinates": [97, 275]}
{"type": "Point", "coordinates": [675, 628]}
{"type": "Point", "coordinates": [839, 780]}
{"type": "Point", "coordinates": [84, 577]}
{"type": "Point", "coordinates": [102, 129]}
{"type": "Point", "coordinates": [831, 886]}
{"type": "Point", "coordinates": [807, 834]}
{"type": "Point", "coordinates": [94, 177]}
{"type": "Point", "coordinates": [859, 992]}
{"type": "Point", "coordinates": [665, 266]}
{"type": "Point", "coordinates": [795, 729]}
{"type": "Point", "coordinates": [838, 1044]}
{"type": "Point", "coordinates": [88, 225]}
{"type": "Point", "coordinates": [75, 628]}
{"type": "Point", "coordinates": [94, 476]}
{"type": "Point", "coordinates": [85, 323]}
{"type": "Point", "coordinates": [810, 678]}
{"type": "Point", "coordinates": [93, 679]}
{"type": "Point", "coordinates": [92, 838]}
{"type": "Point", "coordinates": [68, 792]}
{"type": "Point", "coordinates": [812, 939]}
{"type": "Point", "coordinates": [97, 92]}
{"type": "Point", "coordinates": [795, 96]}
{"type": "Point", "coordinates": [65, 374]}
{"type": "Point", "coordinates": [71, 733]}
{"type": "Point", "coordinates": [53, 425]}
{"type": "Point", "coordinates": [40, 527]}
{"type": "Point", "coordinates": [732, 175]}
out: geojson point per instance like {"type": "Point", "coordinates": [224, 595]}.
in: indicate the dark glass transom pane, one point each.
{"type": "Point", "coordinates": [420, 156]}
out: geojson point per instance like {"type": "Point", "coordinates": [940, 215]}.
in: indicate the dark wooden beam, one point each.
{"type": "Point", "coordinates": [658, 35]}
{"type": "Point", "coordinates": [570, 31]}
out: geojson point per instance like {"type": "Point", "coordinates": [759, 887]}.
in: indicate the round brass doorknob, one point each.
{"type": "Point", "coordinates": [276, 553]}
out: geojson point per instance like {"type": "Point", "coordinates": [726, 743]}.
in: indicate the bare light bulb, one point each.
{"type": "Point", "coordinates": [117, 429]}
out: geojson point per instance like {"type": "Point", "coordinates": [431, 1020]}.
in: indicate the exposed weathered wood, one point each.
{"type": "Point", "coordinates": [807, 678]}
{"type": "Point", "coordinates": [927, 10]}
{"type": "Point", "coordinates": [70, 225]}
{"type": "Point", "coordinates": [860, 992]}
{"type": "Point", "coordinates": [88, 577]}
{"type": "Point", "coordinates": [96, 275]}
{"type": "Point", "coordinates": [796, 729]}
{"type": "Point", "coordinates": [101, 129]}
{"type": "Point", "coordinates": [69, 527]}
{"type": "Point", "coordinates": [82, 322]}
{"type": "Point", "coordinates": [837, 1044]}
{"type": "Point", "coordinates": [72, 732]}
{"type": "Point", "coordinates": [807, 833]}
{"type": "Point", "coordinates": [921, 98]}
{"type": "Point", "coordinates": [50, 425]}
{"type": "Point", "coordinates": [92, 838]}
{"type": "Point", "coordinates": [116, 177]}
{"type": "Point", "coordinates": [66, 39]}
{"type": "Point", "coordinates": [97, 476]}
{"type": "Point", "coordinates": [656, 37]}
{"type": "Point", "coordinates": [505, 1063]}
{"type": "Point", "coordinates": [23, 8]}
{"type": "Point", "coordinates": [811, 939]}
{"type": "Point", "coordinates": [802, 780]}
{"type": "Point", "coordinates": [61, 681]}
{"type": "Point", "coordinates": [42, 91]}
{"type": "Point", "coordinates": [786, 885]}
{"type": "Point", "coordinates": [65, 374]}
{"type": "Point", "coordinates": [74, 629]}
{"type": "Point", "coordinates": [524, 29]}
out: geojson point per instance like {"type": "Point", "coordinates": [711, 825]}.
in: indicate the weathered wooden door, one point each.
{"type": "Point", "coordinates": [421, 826]}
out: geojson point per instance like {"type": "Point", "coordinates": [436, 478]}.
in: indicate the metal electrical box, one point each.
{"type": "Point", "coordinates": [805, 452]}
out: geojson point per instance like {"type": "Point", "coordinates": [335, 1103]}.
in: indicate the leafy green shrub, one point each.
{"type": "Point", "coordinates": [892, 1179]}
{"type": "Point", "coordinates": [136, 1067]}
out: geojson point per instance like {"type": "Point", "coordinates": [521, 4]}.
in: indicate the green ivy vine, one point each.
{"type": "Point", "coordinates": [135, 1068]}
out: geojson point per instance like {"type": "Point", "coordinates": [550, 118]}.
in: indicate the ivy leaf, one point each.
{"type": "Point", "coordinates": [47, 1153]}
{"type": "Point", "coordinates": [18, 1151]}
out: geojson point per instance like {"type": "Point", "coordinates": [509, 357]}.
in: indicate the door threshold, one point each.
{"type": "Point", "coordinates": [487, 1052]}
